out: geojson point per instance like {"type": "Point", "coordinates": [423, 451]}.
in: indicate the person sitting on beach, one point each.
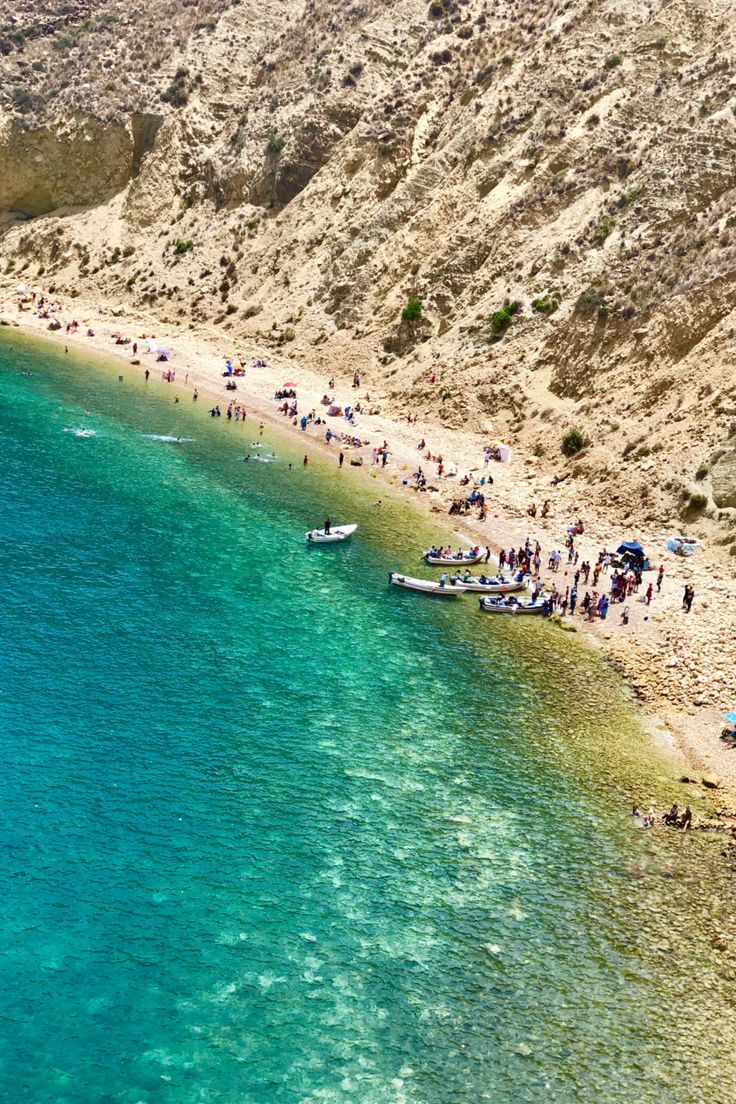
{"type": "Point", "coordinates": [672, 816]}
{"type": "Point", "coordinates": [686, 819]}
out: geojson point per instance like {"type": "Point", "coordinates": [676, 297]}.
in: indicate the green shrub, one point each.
{"type": "Point", "coordinates": [547, 304]}
{"type": "Point", "coordinates": [574, 441]}
{"type": "Point", "coordinates": [22, 99]}
{"type": "Point", "coordinates": [590, 301]}
{"type": "Point", "coordinates": [501, 319]}
{"type": "Point", "coordinates": [412, 312]}
{"type": "Point", "coordinates": [275, 144]}
{"type": "Point", "coordinates": [184, 246]}
{"type": "Point", "coordinates": [176, 93]}
{"type": "Point", "coordinates": [613, 61]}
{"type": "Point", "coordinates": [697, 503]}
{"type": "Point", "coordinates": [629, 197]}
{"type": "Point", "coordinates": [437, 9]}
{"type": "Point", "coordinates": [603, 229]}
{"type": "Point", "coordinates": [702, 472]}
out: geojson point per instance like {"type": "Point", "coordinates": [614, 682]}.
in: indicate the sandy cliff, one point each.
{"type": "Point", "coordinates": [294, 172]}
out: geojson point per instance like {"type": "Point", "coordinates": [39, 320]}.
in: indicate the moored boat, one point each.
{"type": "Point", "coordinates": [426, 586]}
{"type": "Point", "coordinates": [336, 533]}
{"type": "Point", "coordinates": [513, 607]}
{"type": "Point", "coordinates": [493, 585]}
{"type": "Point", "coordinates": [460, 559]}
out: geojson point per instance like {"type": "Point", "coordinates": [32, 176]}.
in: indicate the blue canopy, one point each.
{"type": "Point", "coordinates": [630, 546]}
{"type": "Point", "coordinates": [730, 717]}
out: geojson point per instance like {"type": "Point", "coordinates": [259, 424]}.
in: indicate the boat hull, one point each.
{"type": "Point", "coordinates": [537, 610]}
{"type": "Point", "coordinates": [494, 588]}
{"type": "Point", "coordinates": [438, 561]}
{"type": "Point", "coordinates": [425, 586]}
{"type": "Point", "coordinates": [339, 533]}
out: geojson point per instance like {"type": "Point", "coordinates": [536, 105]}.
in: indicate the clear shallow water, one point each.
{"type": "Point", "coordinates": [273, 831]}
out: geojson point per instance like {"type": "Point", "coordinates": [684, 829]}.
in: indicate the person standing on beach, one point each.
{"type": "Point", "coordinates": [305, 461]}
{"type": "Point", "coordinates": [341, 460]}
{"type": "Point", "coordinates": [146, 374]}
{"type": "Point", "coordinates": [660, 576]}
{"type": "Point", "coordinates": [650, 592]}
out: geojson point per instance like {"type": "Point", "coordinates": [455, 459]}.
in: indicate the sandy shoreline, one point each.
{"type": "Point", "coordinates": [682, 668]}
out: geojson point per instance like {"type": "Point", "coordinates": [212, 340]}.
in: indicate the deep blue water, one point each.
{"type": "Point", "coordinates": [273, 831]}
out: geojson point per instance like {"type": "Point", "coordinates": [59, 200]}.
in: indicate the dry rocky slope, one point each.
{"type": "Point", "coordinates": [329, 160]}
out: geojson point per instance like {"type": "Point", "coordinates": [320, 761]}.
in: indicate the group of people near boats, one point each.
{"type": "Point", "coordinates": [525, 563]}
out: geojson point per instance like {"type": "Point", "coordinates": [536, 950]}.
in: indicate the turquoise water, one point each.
{"type": "Point", "coordinates": [273, 831]}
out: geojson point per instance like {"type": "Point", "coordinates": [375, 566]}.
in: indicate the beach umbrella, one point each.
{"type": "Point", "coordinates": [730, 717]}
{"type": "Point", "coordinates": [289, 384]}
{"type": "Point", "coordinates": [630, 546]}
{"type": "Point", "coordinates": [21, 288]}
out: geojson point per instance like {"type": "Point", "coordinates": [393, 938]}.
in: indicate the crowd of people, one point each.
{"type": "Point", "coordinates": [464, 506]}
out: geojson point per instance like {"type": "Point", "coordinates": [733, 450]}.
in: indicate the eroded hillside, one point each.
{"type": "Point", "coordinates": [554, 186]}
